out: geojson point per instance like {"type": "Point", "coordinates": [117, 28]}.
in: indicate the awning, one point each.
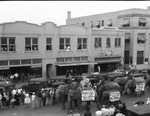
{"type": "Point", "coordinates": [91, 24]}
{"type": "Point", "coordinates": [142, 20]}
{"type": "Point", "coordinates": [4, 68]}
{"type": "Point", "coordinates": [109, 22]}
{"type": "Point", "coordinates": [126, 22]}
{"type": "Point", "coordinates": [36, 66]}
{"type": "Point", "coordinates": [127, 36]}
{"type": "Point", "coordinates": [141, 37]}
{"type": "Point", "coordinates": [108, 61]}
{"type": "Point", "coordinates": [98, 23]}
{"type": "Point", "coordinates": [74, 64]}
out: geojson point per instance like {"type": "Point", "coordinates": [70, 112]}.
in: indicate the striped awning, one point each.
{"type": "Point", "coordinates": [141, 37]}
{"type": "Point", "coordinates": [142, 20]}
{"type": "Point", "coordinates": [126, 22]}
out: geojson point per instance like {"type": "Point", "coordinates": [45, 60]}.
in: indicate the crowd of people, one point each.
{"type": "Point", "coordinates": [19, 97]}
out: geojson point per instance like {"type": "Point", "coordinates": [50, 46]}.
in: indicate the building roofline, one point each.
{"type": "Point", "coordinates": [110, 12]}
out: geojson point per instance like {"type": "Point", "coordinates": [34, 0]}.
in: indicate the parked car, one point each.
{"type": "Point", "coordinates": [36, 84]}
{"type": "Point", "coordinates": [7, 87]}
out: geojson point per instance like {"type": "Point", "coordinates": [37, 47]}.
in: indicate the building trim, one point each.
{"type": "Point", "coordinates": [134, 15]}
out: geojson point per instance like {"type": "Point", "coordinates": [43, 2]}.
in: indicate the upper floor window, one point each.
{"type": "Point", "coordinates": [91, 24]}
{"type": "Point", "coordinates": [48, 43]}
{"type": "Point", "coordinates": [117, 42]}
{"type": "Point", "coordinates": [102, 22]}
{"type": "Point", "coordinates": [7, 44]}
{"type": "Point", "coordinates": [109, 23]}
{"type": "Point", "coordinates": [108, 42]}
{"type": "Point", "coordinates": [64, 44]}
{"type": "Point", "coordinates": [82, 43]}
{"type": "Point", "coordinates": [127, 38]}
{"type": "Point", "coordinates": [142, 22]}
{"type": "Point", "coordinates": [126, 22]}
{"type": "Point", "coordinates": [83, 24]}
{"type": "Point", "coordinates": [141, 38]}
{"type": "Point", "coordinates": [31, 44]}
{"type": "Point", "coordinates": [140, 57]}
{"type": "Point", "coordinates": [98, 42]}
{"type": "Point", "coordinates": [98, 24]}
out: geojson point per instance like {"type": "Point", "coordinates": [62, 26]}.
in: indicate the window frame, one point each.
{"type": "Point", "coordinates": [108, 43]}
{"type": "Point", "coordinates": [140, 60]}
{"type": "Point", "coordinates": [9, 47]}
{"type": "Point", "coordinates": [126, 25]}
{"type": "Point", "coordinates": [117, 42]}
{"type": "Point", "coordinates": [141, 41]}
{"type": "Point", "coordinates": [48, 45]}
{"type": "Point", "coordinates": [82, 45]}
{"type": "Point", "coordinates": [65, 46]}
{"type": "Point", "coordinates": [33, 47]}
{"type": "Point", "coordinates": [99, 40]}
{"type": "Point", "coordinates": [140, 24]}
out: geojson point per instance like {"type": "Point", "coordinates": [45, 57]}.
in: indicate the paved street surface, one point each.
{"type": "Point", "coordinates": [56, 110]}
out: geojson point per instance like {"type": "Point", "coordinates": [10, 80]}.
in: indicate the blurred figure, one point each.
{"type": "Point", "coordinates": [87, 112]}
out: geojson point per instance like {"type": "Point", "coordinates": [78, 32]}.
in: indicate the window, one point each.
{"type": "Point", "coordinates": [117, 42]}
{"type": "Point", "coordinates": [108, 43]}
{"type": "Point", "coordinates": [48, 43]}
{"type": "Point", "coordinates": [64, 44]}
{"type": "Point", "coordinates": [83, 24]}
{"type": "Point", "coordinates": [98, 24]}
{"type": "Point", "coordinates": [140, 57]}
{"type": "Point", "coordinates": [91, 24]}
{"type": "Point", "coordinates": [141, 38]}
{"type": "Point", "coordinates": [109, 23]}
{"type": "Point", "coordinates": [127, 38]}
{"type": "Point", "coordinates": [102, 22]}
{"type": "Point", "coordinates": [97, 42]}
{"type": "Point", "coordinates": [126, 22]}
{"type": "Point", "coordinates": [142, 22]}
{"type": "Point", "coordinates": [126, 56]}
{"type": "Point", "coordinates": [82, 43]}
{"type": "Point", "coordinates": [8, 44]}
{"type": "Point", "coordinates": [31, 44]}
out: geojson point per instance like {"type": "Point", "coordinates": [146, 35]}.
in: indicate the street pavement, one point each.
{"type": "Point", "coordinates": [56, 109]}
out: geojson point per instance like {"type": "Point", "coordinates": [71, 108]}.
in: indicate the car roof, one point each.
{"type": "Point", "coordinates": [3, 84]}
{"type": "Point", "coordinates": [38, 80]}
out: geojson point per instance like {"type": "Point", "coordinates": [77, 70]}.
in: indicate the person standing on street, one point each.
{"type": "Point", "coordinates": [88, 112]}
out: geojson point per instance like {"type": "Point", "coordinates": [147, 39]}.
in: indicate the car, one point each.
{"type": "Point", "coordinates": [36, 84]}
{"type": "Point", "coordinates": [6, 87]}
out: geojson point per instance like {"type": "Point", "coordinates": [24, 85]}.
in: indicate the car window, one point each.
{"type": "Point", "coordinates": [31, 82]}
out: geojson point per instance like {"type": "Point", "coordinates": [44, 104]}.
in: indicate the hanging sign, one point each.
{"type": "Point", "coordinates": [88, 95]}
{"type": "Point", "coordinates": [140, 87]}
{"type": "Point", "coordinates": [114, 96]}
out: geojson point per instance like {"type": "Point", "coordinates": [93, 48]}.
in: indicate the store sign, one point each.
{"type": "Point", "coordinates": [114, 96]}
{"type": "Point", "coordinates": [140, 87]}
{"type": "Point", "coordinates": [106, 53]}
{"type": "Point", "coordinates": [88, 95]}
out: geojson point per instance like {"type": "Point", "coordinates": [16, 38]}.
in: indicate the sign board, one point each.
{"type": "Point", "coordinates": [140, 87]}
{"type": "Point", "coordinates": [88, 95]}
{"type": "Point", "coordinates": [114, 96]}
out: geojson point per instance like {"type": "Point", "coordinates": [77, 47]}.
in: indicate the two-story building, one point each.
{"type": "Point", "coordinates": [135, 21]}
{"type": "Point", "coordinates": [49, 51]}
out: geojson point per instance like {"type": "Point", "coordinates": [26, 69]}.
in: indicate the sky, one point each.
{"type": "Point", "coordinates": [38, 12]}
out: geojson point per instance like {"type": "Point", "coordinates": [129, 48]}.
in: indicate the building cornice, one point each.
{"type": "Point", "coordinates": [135, 27]}
{"type": "Point", "coordinates": [134, 15]}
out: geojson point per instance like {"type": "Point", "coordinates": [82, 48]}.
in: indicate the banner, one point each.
{"type": "Point", "coordinates": [114, 96]}
{"type": "Point", "coordinates": [88, 95]}
{"type": "Point", "coordinates": [140, 87]}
